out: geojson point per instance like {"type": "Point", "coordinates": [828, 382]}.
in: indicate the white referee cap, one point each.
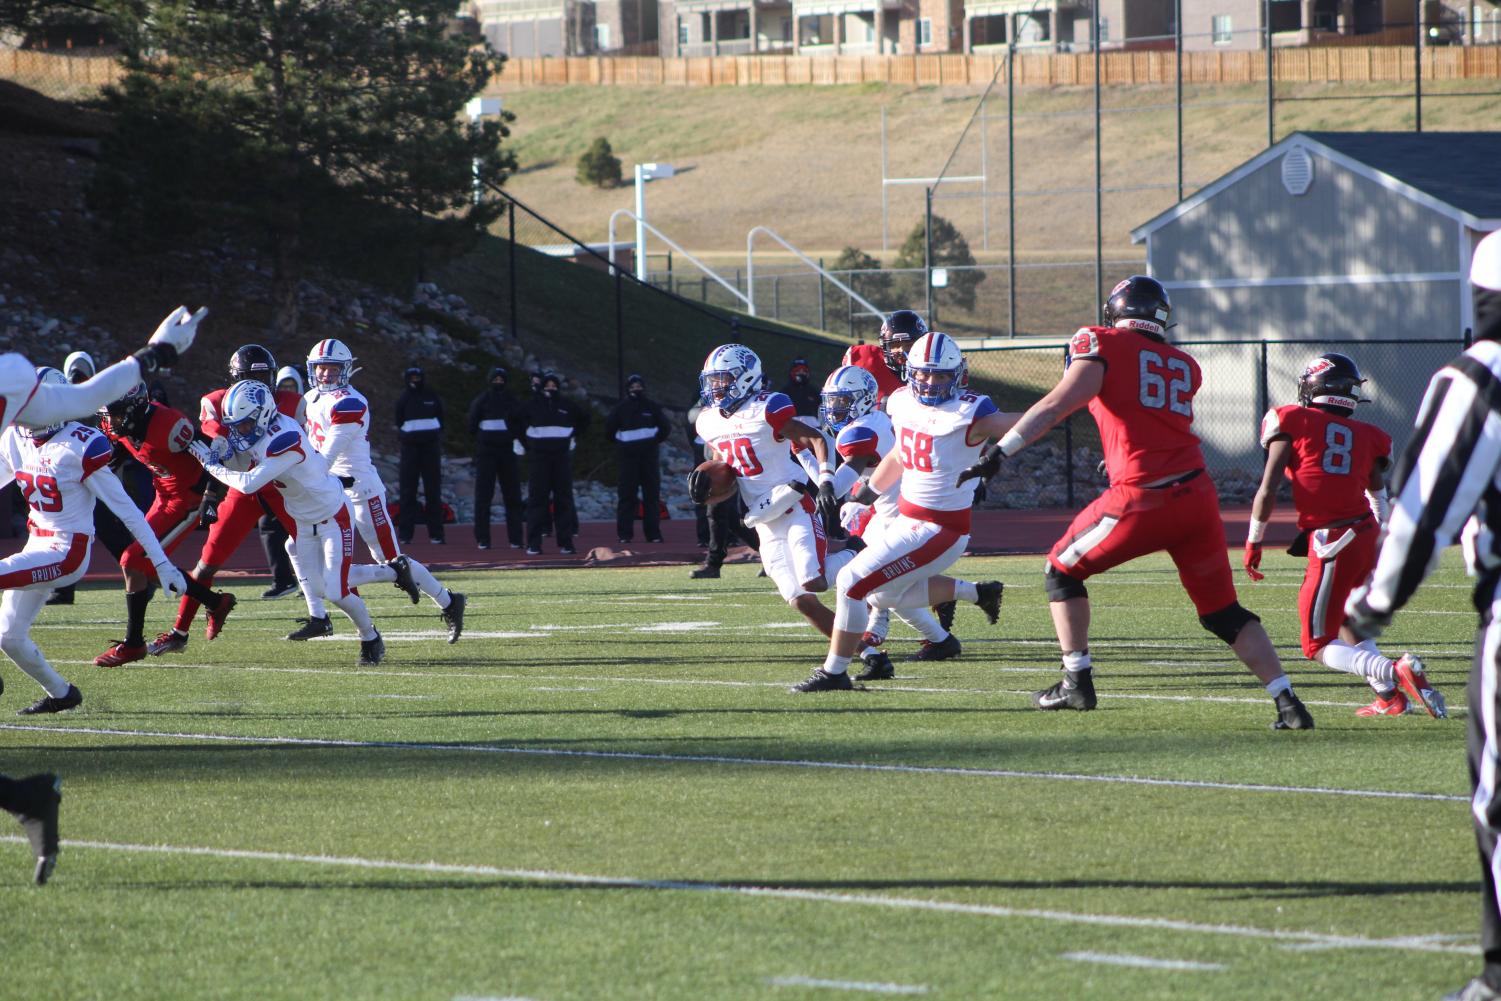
{"type": "Point", "coordinates": [1485, 266]}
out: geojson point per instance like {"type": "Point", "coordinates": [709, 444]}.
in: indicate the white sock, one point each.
{"type": "Point", "coordinates": [1278, 686]}
{"type": "Point", "coordinates": [925, 622]}
{"type": "Point", "coordinates": [835, 664]}
{"type": "Point", "coordinates": [354, 607]}
{"type": "Point", "coordinates": [370, 573]}
{"type": "Point", "coordinates": [1365, 661]}
{"type": "Point", "coordinates": [868, 651]}
{"type": "Point", "coordinates": [964, 590]}
{"type": "Point", "coordinates": [28, 657]}
{"type": "Point", "coordinates": [1076, 660]}
{"type": "Point", "coordinates": [880, 623]}
{"type": "Point", "coordinates": [428, 584]}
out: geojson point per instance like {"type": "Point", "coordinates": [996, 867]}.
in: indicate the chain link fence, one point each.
{"type": "Point", "coordinates": [1242, 380]}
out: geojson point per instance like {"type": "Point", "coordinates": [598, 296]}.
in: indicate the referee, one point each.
{"type": "Point", "coordinates": [1447, 472]}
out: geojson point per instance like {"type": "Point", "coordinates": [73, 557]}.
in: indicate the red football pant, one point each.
{"type": "Point", "coordinates": [238, 514]}
{"type": "Point", "coordinates": [1327, 583]}
{"type": "Point", "coordinates": [1127, 522]}
{"type": "Point", "coordinates": [172, 519]}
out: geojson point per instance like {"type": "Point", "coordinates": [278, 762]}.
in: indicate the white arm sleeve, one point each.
{"type": "Point", "coordinates": [104, 485]}
{"type": "Point", "coordinates": [844, 479]}
{"type": "Point", "coordinates": [53, 404]}
{"type": "Point", "coordinates": [260, 476]}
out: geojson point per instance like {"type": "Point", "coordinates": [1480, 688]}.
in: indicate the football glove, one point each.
{"type": "Point", "coordinates": [1363, 620]}
{"type": "Point", "coordinates": [173, 336]}
{"type": "Point", "coordinates": [171, 579]}
{"type": "Point", "coordinates": [1253, 561]}
{"type": "Point", "coordinates": [209, 512]}
{"type": "Point", "coordinates": [988, 466]}
{"type": "Point", "coordinates": [828, 508]}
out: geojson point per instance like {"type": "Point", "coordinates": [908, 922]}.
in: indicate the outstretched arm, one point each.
{"type": "Point", "coordinates": [1080, 384]}
{"type": "Point", "coordinates": [245, 482]}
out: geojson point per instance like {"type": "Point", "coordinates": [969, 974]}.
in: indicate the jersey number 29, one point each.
{"type": "Point", "coordinates": [40, 492]}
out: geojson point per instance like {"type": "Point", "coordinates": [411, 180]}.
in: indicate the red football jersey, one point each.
{"type": "Point", "coordinates": [1145, 406]}
{"type": "Point", "coordinates": [1333, 457]}
{"type": "Point", "coordinates": [871, 358]}
{"type": "Point", "coordinates": [209, 418]}
{"type": "Point", "coordinates": [163, 449]}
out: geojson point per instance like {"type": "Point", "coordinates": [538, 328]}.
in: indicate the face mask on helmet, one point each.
{"type": "Point", "coordinates": [253, 362]}
{"type": "Point", "coordinates": [935, 369]}
{"type": "Point", "coordinates": [125, 414]}
{"type": "Point", "coordinates": [1331, 380]}
{"type": "Point", "coordinates": [731, 375]}
{"type": "Point", "coordinates": [330, 365]}
{"type": "Point", "coordinates": [899, 332]}
{"type": "Point", "coordinates": [848, 394]}
{"type": "Point", "coordinates": [247, 413]}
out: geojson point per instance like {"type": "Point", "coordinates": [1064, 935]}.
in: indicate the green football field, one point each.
{"type": "Point", "coordinates": [604, 790]}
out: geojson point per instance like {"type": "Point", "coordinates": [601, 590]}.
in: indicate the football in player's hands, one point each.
{"type": "Point", "coordinates": [713, 482]}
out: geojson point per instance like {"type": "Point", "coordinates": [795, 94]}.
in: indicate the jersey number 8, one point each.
{"type": "Point", "coordinates": [1338, 441]}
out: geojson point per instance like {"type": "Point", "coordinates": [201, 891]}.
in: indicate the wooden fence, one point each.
{"type": "Point", "coordinates": [1322, 64]}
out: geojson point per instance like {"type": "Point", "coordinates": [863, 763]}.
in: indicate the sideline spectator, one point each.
{"type": "Point", "coordinates": [419, 419]}
{"type": "Point", "coordinates": [549, 426]}
{"type": "Point", "coordinates": [800, 390]}
{"type": "Point", "coordinates": [492, 421]}
{"type": "Point", "coordinates": [638, 427]}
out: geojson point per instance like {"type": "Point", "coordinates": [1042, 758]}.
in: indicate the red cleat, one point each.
{"type": "Point", "coordinates": [1414, 683]}
{"type": "Point", "coordinates": [121, 653]}
{"type": "Point", "coordinates": [1392, 704]}
{"type": "Point", "coordinates": [215, 619]}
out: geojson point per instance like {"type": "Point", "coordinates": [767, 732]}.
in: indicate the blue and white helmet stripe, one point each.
{"type": "Point", "coordinates": [935, 353]}
{"type": "Point", "coordinates": [330, 351]}
{"type": "Point", "coordinates": [247, 400]}
{"type": "Point", "coordinates": [741, 365]}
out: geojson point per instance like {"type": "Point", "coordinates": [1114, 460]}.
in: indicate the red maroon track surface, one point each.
{"type": "Point", "coordinates": [995, 532]}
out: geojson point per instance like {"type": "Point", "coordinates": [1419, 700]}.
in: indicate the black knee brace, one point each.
{"type": "Point", "coordinates": [1228, 621]}
{"type": "Point", "coordinates": [1061, 587]}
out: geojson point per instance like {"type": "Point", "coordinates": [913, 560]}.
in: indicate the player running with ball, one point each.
{"type": "Point", "coordinates": [939, 430]}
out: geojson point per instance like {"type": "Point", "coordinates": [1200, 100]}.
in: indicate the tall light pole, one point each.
{"type": "Point", "coordinates": [476, 109]}
{"type": "Point", "coordinates": [646, 172]}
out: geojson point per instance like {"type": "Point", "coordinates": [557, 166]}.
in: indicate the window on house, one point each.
{"type": "Point", "coordinates": [1104, 29]}
{"type": "Point", "coordinates": [682, 33]}
{"type": "Point", "coordinates": [925, 31]}
{"type": "Point", "coordinates": [601, 37]}
{"type": "Point", "coordinates": [1220, 29]}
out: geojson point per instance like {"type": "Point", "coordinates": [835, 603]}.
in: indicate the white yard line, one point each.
{"type": "Point", "coordinates": [718, 759]}
{"type": "Point", "coordinates": [1142, 962]}
{"type": "Point", "coordinates": [1409, 943]}
{"type": "Point", "coordinates": [848, 985]}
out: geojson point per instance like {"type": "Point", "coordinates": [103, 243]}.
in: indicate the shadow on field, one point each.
{"type": "Point", "coordinates": [1224, 891]}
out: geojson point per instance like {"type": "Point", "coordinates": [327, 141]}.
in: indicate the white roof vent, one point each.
{"type": "Point", "coordinates": [1297, 171]}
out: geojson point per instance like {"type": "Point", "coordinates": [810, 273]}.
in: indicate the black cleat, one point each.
{"type": "Point", "coordinates": [279, 591]}
{"type": "Point", "coordinates": [878, 667]}
{"type": "Point", "coordinates": [945, 612]}
{"type": "Point", "coordinates": [404, 581]}
{"type": "Point", "coordinates": [453, 615]}
{"type": "Point", "coordinates": [372, 652]}
{"type": "Point", "coordinates": [946, 649]}
{"type": "Point", "coordinates": [1291, 713]}
{"type": "Point", "coordinates": [988, 600]}
{"type": "Point", "coordinates": [62, 596]}
{"type": "Point", "coordinates": [1075, 691]}
{"type": "Point", "coordinates": [823, 681]}
{"type": "Point", "coordinates": [311, 629]}
{"type": "Point", "coordinates": [705, 573]}
{"type": "Point", "coordinates": [54, 704]}
{"type": "Point", "coordinates": [38, 816]}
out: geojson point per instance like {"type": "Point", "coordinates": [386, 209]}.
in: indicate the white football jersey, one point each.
{"type": "Point", "coordinates": [51, 474]}
{"type": "Point", "coordinates": [934, 452]}
{"type": "Point", "coordinates": [338, 424]}
{"type": "Point", "coordinates": [750, 440]}
{"type": "Point", "coordinates": [18, 380]}
{"type": "Point", "coordinates": [871, 435]}
{"type": "Point", "coordinates": [309, 491]}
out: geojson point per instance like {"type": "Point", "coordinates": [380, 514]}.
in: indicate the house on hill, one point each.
{"type": "Point", "coordinates": [1329, 237]}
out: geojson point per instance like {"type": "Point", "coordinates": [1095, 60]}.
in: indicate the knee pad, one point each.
{"type": "Point", "coordinates": [1061, 587]}
{"type": "Point", "coordinates": [1228, 621]}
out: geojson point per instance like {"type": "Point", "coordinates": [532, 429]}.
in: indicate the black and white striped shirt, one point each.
{"type": "Point", "coordinates": [1450, 469]}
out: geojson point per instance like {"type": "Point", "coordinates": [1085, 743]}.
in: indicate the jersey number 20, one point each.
{"type": "Point", "coordinates": [740, 453]}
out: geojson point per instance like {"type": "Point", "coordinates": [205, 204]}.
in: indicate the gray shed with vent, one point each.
{"type": "Point", "coordinates": [1326, 237]}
